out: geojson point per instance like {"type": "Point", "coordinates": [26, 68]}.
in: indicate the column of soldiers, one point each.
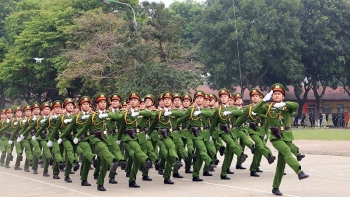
{"type": "Point", "coordinates": [136, 134]}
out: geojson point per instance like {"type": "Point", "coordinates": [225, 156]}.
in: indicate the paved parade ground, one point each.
{"type": "Point", "coordinates": [328, 177]}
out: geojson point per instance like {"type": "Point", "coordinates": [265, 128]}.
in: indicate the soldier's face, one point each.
{"type": "Point", "coordinates": [3, 116]}
{"type": "Point", "coordinates": [177, 102]}
{"type": "Point", "coordinates": [167, 102]}
{"type": "Point", "coordinates": [239, 101]}
{"type": "Point", "coordinates": [255, 98]}
{"type": "Point", "coordinates": [102, 104]}
{"type": "Point", "coordinates": [57, 110]}
{"type": "Point", "coordinates": [148, 102]}
{"type": "Point", "coordinates": [46, 111]}
{"type": "Point", "coordinates": [224, 98]}
{"type": "Point", "coordinates": [186, 103]}
{"type": "Point", "coordinates": [277, 96]}
{"type": "Point", "coordinates": [231, 101]}
{"type": "Point", "coordinates": [85, 106]}
{"type": "Point", "coordinates": [18, 114]}
{"type": "Point", "coordinates": [161, 103]}
{"type": "Point", "coordinates": [69, 107]}
{"type": "Point", "coordinates": [200, 100]}
{"type": "Point", "coordinates": [27, 113]}
{"type": "Point", "coordinates": [212, 102]}
{"type": "Point", "coordinates": [134, 102]}
{"type": "Point", "coordinates": [36, 111]}
{"type": "Point", "coordinates": [206, 102]}
{"type": "Point", "coordinates": [115, 103]}
{"type": "Point", "coordinates": [9, 115]}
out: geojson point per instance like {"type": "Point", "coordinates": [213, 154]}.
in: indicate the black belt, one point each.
{"type": "Point", "coordinates": [226, 127]}
{"type": "Point", "coordinates": [8, 134]}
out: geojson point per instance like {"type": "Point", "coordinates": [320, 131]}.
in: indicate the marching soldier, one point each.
{"type": "Point", "coordinates": [226, 133]}
{"type": "Point", "coordinates": [133, 133]}
{"type": "Point", "coordinates": [163, 120]}
{"type": "Point", "coordinates": [113, 131]}
{"type": "Point", "coordinates": [19, 149]}
{"type": "Point", "coordinates": [96, 123]}
{"type": "Point", "coordinates": [77, 123]}
{"type": "Point", "coordinates": [256, 131]}
{"type": "Point", "coordinates": [7, 131]}
{"type": "Point", "coordinates": [198, 122]}
{"type": "Point", "coordinates": [28, 134]}
{"type": "Point", "coordinates": [278, 120]}
{"type": "Point", "coordinates": [242, 133]}
{"type": "Point", "coordinates": [41, 135]}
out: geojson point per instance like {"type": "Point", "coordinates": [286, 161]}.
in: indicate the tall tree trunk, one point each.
{"type": "Point", "coordinates": [2, 98]}
{"type": "Point", "coordinates": [318, 97]}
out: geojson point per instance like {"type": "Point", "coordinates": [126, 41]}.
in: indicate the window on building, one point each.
{"type": "Point", "coordinates": [311, 109]}
{"type": "Point", "coordinates": [340, 108]}
{"type": "Point", "coordinates": [326, 109]}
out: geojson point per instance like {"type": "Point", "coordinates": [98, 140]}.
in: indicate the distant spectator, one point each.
{"type": "Point", "coordinates": [296, 118]}
{"type": "Point", "coordinates": [302, 122]}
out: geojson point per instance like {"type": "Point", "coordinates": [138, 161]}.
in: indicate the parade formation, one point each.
{"type": "Point", "coordinates": [167, 133]}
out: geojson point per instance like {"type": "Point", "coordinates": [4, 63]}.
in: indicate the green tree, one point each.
{"type": "Point", "coordinates": [262, 35]}
{"type": "Point", "coordinates": [325, 31]}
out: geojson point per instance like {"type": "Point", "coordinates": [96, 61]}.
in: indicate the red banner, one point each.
{"type": "Point", "coordinates": [305, 108]}
{"type": "Point", "coordinates": [346, 117]}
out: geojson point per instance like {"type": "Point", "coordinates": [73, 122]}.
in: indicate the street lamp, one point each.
{"type": "Point", "coordinates": [132, 9]}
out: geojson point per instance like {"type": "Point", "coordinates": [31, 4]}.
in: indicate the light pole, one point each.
{"type": "Point", "coordinates": [132, 9]}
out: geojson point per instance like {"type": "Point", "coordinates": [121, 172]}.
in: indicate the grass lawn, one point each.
{"type": "Point", "coordinates": [322, 134]}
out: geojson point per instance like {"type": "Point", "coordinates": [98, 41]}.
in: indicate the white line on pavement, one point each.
{"type": "Point", "coordinates": [241, 188]}
{"type": "Point", "coordinates": [72, 190]}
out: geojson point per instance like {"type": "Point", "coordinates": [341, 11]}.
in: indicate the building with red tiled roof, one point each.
{"type": "Point", "coordinates": [333, 101]}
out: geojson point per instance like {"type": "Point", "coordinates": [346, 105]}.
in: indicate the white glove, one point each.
{"type": "Point", "coordinates": [10, 142]}
{"type": "Point", "coordinates": [15, 123]}
{"type": "Point", "coordinates": [49, 143]}
{"type": "Point", "coordinates": [102, 116]}
{"type": "Point", "coordinates": [167, 113]}
{"type": "Point", "coordinates": [196, 113]}
{"type": "Point", "coordinates": [147, 136]}
{"type": "Point", "coordinates": [279, 105]}
{"type": "Point", "coordinates": [133, 114]}
{"type": "Point", "coordinates": [210, 139]}
{"type": "Point", "coordinates": [42, 120]}
{"type": "Point", "coordinates": [19, 139]}
{"type": "Point", "coordinates": [33, 138]}
{"type": "Point", "coordinates": [253, 113]}
{"type": "Point", "coordinates": [34, 119]}
{"type": "Point", "coordinates": [8, 120]}
{"type": "Point", "coordinates": [24, 121]}
{"type": "Point", "coordinates": [59, 141]}
{"type": "Point", "coordinates": [265, 137]}
{"type": "Point", "coordinates": [268, 96]}
{"type": "Point", "coordinates": [67, 121]}
{"type": "Point", "coordinates": [166, 109]}
{"type": "Point", "coordinates": [118, 141]}
{"type": "Point", "coordinates": [225, 113]}
{"type": "Point", "coordinates": [85, 117]}
{"type": "Point", "coordinates": [75, 141]}
{"type": "Point", "coordinates": [54, 117]}
{"type": "Point", "coordinates": [21, 136]}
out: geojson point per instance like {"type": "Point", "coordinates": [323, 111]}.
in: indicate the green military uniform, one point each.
{"type": "Point", "coordinates": [77, 123]}
{"type": "Point", "coordinates": [281, 136]}
{"type": "Point", "coordinates": [29, 134]}
{"type": "Point", "coordinates": [163, 119]}
{"type": "Point", "coordinates": [62, 123]}
{"type": "Point", "coordinates": [96, 123]}
{"type": "Point", "coordinates": [133, 133]}
{"type": "Point", "coordinates": [7, 131]}
{"type": "Point", "coordinates": [198, 120]}
{"type": "Point", "coordinates": [145, 141]}
{"type": "Point", "coordinates": [24, 143]}
{"type": "Point", "coordinates": [19, 148]}
{"type": "Point", "coordinates": [227, 133]}
{"type": "Point", "coordinates": [254, 124]}
{"type": "Point", "coordinates": [112, 136]}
